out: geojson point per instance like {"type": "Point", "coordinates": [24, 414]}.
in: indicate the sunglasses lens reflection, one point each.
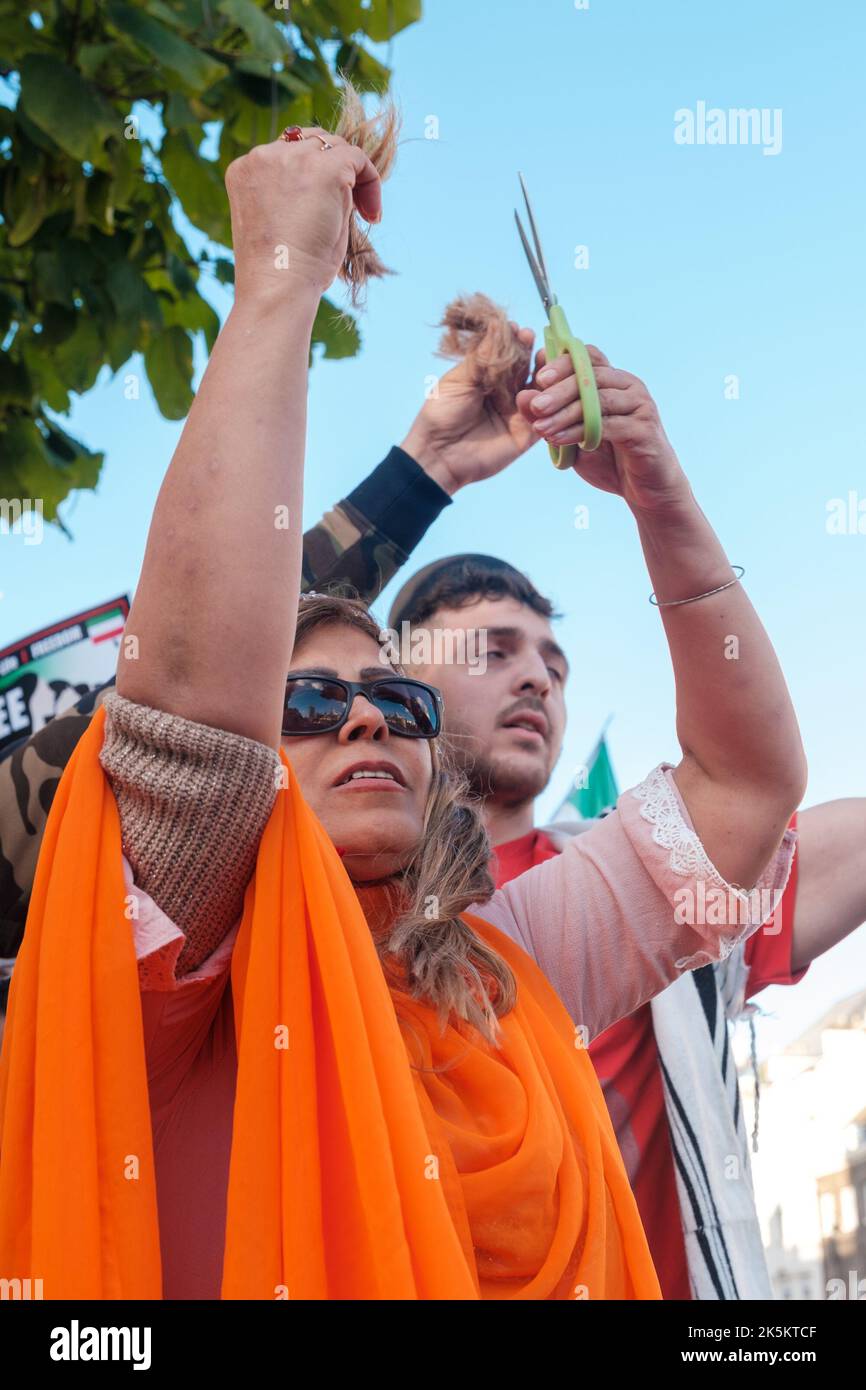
{"type": "Point", "coordinates": [408, 709]}
{"type": "Point", "coordinates": [312, 706]}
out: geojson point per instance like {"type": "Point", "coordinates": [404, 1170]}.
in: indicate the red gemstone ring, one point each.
{"type": "Point", "coordinates": [294, 132]}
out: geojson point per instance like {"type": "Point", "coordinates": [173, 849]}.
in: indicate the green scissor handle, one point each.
{"type": "Point", "coordinates": [558, 338]}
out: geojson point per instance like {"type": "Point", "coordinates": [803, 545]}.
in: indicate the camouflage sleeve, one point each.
{"type": "Point", "coordinates": [365, 539]}
{"type": "Point", "coordinates": [359, 545]}
{"type": "Point", "coordinates": [29, 776]}
{"type": "Point", "coordinates": [343, 552]}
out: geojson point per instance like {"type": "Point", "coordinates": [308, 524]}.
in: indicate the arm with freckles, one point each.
{"type": "Point", "coordinates": [190, 736]}
{"type": "Point", "coordinates": [361, 542]}
{"type": "Point", "coordinates": [742, 770]}
{"type": "Point", "coordinates": [223, 556]}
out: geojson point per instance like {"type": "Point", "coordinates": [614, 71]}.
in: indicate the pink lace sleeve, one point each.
{"type": "Point", "coordinates": [630, 904]}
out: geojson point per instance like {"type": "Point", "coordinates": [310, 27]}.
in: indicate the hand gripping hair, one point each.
{"type": "Point", "coordinates": [479, 332]}
{"type": "Point", "coordinates": [377, 136]}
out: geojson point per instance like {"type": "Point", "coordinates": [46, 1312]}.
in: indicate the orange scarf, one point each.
{"type": "Point", "coordinates": [353, 1174]}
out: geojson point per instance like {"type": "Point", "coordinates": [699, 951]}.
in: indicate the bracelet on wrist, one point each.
{"type": "Point", "coordinates": [675, 602]}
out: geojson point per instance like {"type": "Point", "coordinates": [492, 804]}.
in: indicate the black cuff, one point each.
{"type": "Point", "coordinates": [399, 499]}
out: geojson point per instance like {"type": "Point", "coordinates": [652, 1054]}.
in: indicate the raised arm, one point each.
{"type": "Point", "coordinates": [831, 883]}
{"type": "Point", "coordinates": [360, 543]}
{"type": "Point", "coordinates": [743, 770]}
{"type": "Point", "coordinates": [223, 557]}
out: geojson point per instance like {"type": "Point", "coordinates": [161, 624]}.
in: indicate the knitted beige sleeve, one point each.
{"type": "Point", "coordinates": [193, 803]}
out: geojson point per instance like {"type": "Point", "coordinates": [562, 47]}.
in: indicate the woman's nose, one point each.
{"type": "Point", "coordinates": [364, 721]}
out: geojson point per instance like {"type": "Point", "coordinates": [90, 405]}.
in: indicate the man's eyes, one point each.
{"type": "Point", "coordinates": [558, 676]}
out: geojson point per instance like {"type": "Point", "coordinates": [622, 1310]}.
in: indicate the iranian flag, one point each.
{"type": "Point", "coordinates": [594, 789]}
{"type": "Point", "coordinates": [106, 625]}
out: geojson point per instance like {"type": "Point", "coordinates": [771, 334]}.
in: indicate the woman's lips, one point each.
{"type": "Point", "coordinates": [388, 772]}
{"type": "Point", "coordinates": [369, 784]}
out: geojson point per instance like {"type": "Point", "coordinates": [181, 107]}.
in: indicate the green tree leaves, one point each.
{"type": "Point", "coordinates": [337, 331]}
{"type": "Point", "coordinates": [168, 359]}
{"type": "Point", "coordinates": [265, 38]}
{"type": "Point", "coordinates": [199, 185]}
{"type": "Point", "coordinates": [117, 121]}
{"type": "Point", "coordinates": [196, 70]}
{"type": "Point", "coordinates": [67, 108]}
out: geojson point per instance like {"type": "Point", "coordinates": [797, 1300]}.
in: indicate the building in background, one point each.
{"type": "Point", "coordinates": [842, 1200]}
{"type": "Point", "coordinates": [810, 1168]}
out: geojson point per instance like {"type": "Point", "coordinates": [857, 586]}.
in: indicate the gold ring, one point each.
{"type": "Point", "coordinates": [294, 132]}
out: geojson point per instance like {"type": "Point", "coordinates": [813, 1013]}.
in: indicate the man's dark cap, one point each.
{"type": "Point", "coordinates": [469, 573]}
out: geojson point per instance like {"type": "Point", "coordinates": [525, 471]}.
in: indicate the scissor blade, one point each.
{"type": "Point", "coordinates": [541, 283]}
{"type": "Point", "coordinates": [536, 238]}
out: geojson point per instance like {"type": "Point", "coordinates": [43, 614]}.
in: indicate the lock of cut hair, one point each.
{"type": "Point", "coordinates": [377, 136]}
{"type": "Point", "coordinates": [479, 332]}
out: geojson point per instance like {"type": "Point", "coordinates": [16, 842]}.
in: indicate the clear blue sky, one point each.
{"type": "Point", "coordinates": [705, 261]}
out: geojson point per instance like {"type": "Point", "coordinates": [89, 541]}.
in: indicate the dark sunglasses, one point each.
{"type": "Point", "coordinates": [321, 705]}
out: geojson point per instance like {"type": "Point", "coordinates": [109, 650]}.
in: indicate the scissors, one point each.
{"type": "Point", "coordinates": [558, 338]}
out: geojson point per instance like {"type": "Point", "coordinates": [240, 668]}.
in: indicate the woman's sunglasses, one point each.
{"type": "Point", "coordinates": [321, 705]}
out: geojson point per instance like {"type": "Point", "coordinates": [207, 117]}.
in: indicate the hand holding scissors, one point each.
{"type": "Point", "coordinates": [559, 339]}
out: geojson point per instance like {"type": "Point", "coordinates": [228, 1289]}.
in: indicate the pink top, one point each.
{"type": "Point", "coordinates": [607, 921]}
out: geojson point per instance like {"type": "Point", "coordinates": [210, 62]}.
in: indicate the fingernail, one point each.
{"type": "Point", "coordinates": [545, 376]}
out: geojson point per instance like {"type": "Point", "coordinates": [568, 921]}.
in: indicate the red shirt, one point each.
{"type": "Point", "coordinates": [626, 1061]}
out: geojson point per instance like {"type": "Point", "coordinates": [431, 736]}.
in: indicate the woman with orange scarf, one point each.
{"type": "Point", "coordinates": [271, 1034]}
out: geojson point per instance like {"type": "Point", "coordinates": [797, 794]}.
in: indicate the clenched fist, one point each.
{"type": "Point", "coordinates": [290, 206]}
